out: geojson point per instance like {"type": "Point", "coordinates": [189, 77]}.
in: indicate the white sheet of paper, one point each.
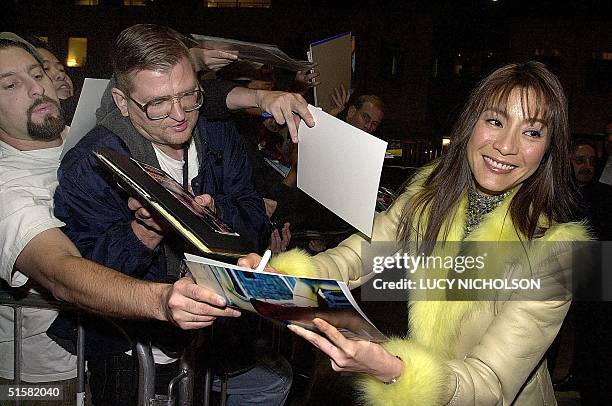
{"type": "Point", "coordinates": [339, 166]}
{"type": "Point", "coordinates": [84, 119]}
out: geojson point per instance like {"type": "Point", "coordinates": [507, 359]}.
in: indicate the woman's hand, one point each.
{"type": "Point", "coordinates": [252, 261]}
{"type": "Point", "coordinates": [352, 355]}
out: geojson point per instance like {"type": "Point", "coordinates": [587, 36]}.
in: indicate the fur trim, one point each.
{"type": "Point", "coordinates": [295, 262]}
{"type": "Point", "coordinates": [423, 382]}
{"type": "Point", "coordinates": [435, 324]}
{"type": "Point", "coordinates": [568, 232]}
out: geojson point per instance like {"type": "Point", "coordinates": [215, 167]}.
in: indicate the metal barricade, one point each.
{"type": "Point", "coordinates": [146, 380]}
{"type": "Point", "coordinates": [146, 365]}
{"type": "Point", "coordinates": [18, 302]}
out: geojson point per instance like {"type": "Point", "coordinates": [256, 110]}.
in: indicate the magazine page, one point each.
{"type": "Point", "coordinates": [288, 299]}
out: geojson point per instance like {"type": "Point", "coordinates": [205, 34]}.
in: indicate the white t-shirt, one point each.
{"type": "Point", "coordinates": [174, 168]}
{"type": "Point", "coordinates": [27, 182]}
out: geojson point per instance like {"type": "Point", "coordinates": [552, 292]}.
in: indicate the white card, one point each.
{"type": "Point", "coordinates": [84, 119]}
{"type": "Point", "coordinates": [339, 166]}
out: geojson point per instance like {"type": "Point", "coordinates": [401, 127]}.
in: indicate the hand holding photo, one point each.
{"type": "Point", "coordinates": [286, 299]}
{"type": "Point", "coordinates": [197, 223]}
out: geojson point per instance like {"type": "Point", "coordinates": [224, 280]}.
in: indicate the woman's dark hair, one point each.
{"type": "Point", "coordinates": [547, 192]}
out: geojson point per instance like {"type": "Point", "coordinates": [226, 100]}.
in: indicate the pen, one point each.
{"type": "Point", "coordinates": [265, 114]}
{"type": "Point", "coordinates": [264, 261]}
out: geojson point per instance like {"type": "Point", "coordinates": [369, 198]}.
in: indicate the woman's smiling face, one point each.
{"type": "Point", "coordinates": [506, 147]}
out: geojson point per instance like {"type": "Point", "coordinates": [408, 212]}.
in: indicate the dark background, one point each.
{"type": "Point", "coordinates": [439, 49]}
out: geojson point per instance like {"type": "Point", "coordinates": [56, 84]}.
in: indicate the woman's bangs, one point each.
{"type": "Point", "coordinates": [535, 104]}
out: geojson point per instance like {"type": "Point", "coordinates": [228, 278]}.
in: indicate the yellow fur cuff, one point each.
{"type": "Point", "coordinates": [423, 382]}
{"type": "Point", "coordinates": [295, 262]}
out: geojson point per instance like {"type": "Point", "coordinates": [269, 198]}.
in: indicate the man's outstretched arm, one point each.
{"type": "Point", "coordinates": [286, 108]}
{"type": "Point", "coordinates": [52, 260]}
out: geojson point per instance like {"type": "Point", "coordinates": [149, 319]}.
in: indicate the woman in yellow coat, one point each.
{"type": "Point", "coordinates": [506, 179]}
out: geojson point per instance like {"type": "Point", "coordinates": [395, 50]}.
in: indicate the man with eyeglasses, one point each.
{"type": "Point", "coordinates": [157, 96]}
{"type": "Point", "coordinates": [37, 256]}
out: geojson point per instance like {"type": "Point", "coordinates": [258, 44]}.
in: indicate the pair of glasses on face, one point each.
{"type": "Point", "coordinates": [161, 107]}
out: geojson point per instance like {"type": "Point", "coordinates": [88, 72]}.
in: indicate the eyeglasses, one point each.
{"type": "Point", "coordinates": [581, 160]}
{"type": "Point", "coordinates": [160, 108]}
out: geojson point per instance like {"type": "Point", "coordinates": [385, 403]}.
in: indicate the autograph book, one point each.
{"type": "Point", "coordinates": [156, 189]}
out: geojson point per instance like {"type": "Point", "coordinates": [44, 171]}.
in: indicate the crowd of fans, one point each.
{"type": "Point", "coordinates": [67, 228]}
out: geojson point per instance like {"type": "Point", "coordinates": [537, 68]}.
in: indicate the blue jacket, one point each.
{"type": "Point", "coordinates": [98, 219]}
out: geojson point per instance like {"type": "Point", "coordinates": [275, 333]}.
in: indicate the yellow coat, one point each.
{"type": "Point", "coordinates": [461, 352]}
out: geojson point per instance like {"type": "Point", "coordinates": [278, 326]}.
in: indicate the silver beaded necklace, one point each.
{"type": "Point", "coordinates": [478, 206]}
